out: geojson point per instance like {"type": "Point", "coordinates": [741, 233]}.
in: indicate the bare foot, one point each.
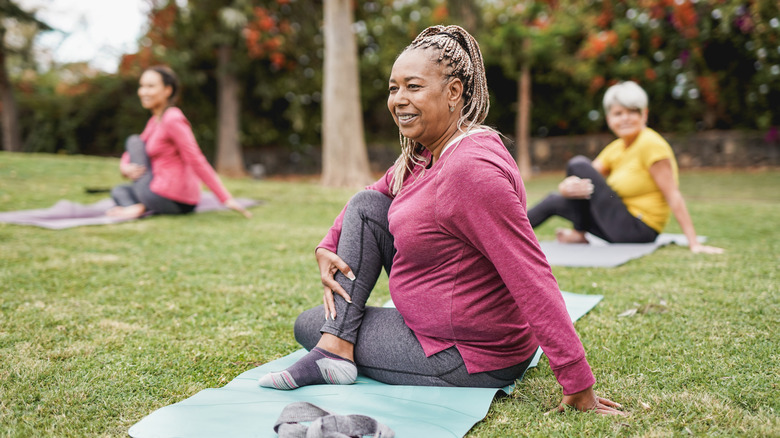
{"type": "Point", "coordinates": [130, 212]}
{"type": "Point", "coordinates": [565, 235]}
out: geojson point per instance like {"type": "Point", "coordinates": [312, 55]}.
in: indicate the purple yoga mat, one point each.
{"type": "Point", "coordinates": [67, 214]}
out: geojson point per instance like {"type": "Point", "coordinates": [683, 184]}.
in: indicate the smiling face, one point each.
{"type": "Point", "coordinates": [626, 123]}
{"type": "Point", "coordinates": [154, 94]}
{"type": "Point", "coordinates": [420, 97]}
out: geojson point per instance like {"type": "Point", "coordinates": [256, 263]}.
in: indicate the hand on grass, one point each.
{"type": "Point", "coordinates": [698, 248]}
{"type": "Point", "coordinates": [574, 187]}
{"type": "Point", "coordinates": [235, 206]}
{"type": "Point", "coordinates": [588, 401]}
{"type": "Point", "coordinates": [330, 263]}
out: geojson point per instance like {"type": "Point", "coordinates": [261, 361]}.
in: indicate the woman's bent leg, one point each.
{"type": "Point", "coordinates": [366, 245]}
{"type": "Point", "coordinates": [611, 220]}
{"type": "Point", "coordinates": [155, 203]}
{"type": "Point", "coordinates": [136, 149]}
{"type": "Point", "coordinates": [124, 195]}
{"type": "Point", "coordinates": [574, 210]}
{"type": "Point", "coordinates": [388, 351]}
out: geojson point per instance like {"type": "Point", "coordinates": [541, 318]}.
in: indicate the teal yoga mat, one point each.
{"type": "Point", "coordinates": [243, 409]}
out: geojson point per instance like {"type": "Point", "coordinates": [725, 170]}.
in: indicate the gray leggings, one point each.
{"type": "Point", "coordinates": [385, 348]}
{"type": "Point", "coordinates": [139, 192]}
{"type": "Point", "coordinates": [603, 215]}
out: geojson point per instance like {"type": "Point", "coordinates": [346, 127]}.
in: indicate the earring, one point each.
{"type": "Point", "coordinates": [452, 108]}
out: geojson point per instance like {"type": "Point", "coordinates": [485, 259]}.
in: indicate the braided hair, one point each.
{"type": "Point", "coordinates": [459, 54]}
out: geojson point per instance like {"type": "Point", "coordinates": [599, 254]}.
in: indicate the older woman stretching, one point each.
{"type": "Point", "coordinates": [474, 293]}
{"type": "Point", "coordinates": [626, 193]}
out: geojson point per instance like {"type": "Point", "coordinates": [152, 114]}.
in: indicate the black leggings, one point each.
{"type": "Point", "coordinates": [386, 349]}
{"type": "Point", "coordinates": [603, 215]}
{"type": "Point", "coordinates": [139, 192]}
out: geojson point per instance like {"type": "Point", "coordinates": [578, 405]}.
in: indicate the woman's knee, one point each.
{"type": "Point", "coordinates": [369, 204]}
{"type": "Point", "coordinates": [578, 165]}
{"type": "Point", "coordinates": [133, 141]}
{"type": "Point", "coordinates": [365, 198]}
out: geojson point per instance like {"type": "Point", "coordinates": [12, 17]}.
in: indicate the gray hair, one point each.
{"type": "Point", "coordinates": [628, 94]}
{"type": "Point", "coordinates": [460, 56]}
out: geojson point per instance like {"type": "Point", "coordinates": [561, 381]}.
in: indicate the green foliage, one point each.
{"type": "Point", "coordinates": [705, 65]}
{"type": "Point", "coordinates": [383, 30]}
{"type": "Point", "coordinates": [276, 53]}
{"type": "Point", "coordinates": [10, 10]}
{"type": "Point", "coordinates": [100, 326]}
{"type": "Point", "coordinates": [87, 118]}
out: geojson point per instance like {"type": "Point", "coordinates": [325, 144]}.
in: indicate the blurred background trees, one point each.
{"type": "Point", "coordinates": [26, 26]}
{"type": "Point", "coordinates": [253, 72]}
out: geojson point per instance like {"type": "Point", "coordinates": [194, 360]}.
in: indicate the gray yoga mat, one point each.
{"type": "Point", "coordinates": [601, 254]}
{"type": "Point", "coordinates": [243, 409]}
{"type": "Point", "coordinates": [68, 214]}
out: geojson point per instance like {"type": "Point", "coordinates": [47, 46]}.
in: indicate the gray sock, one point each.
{"type": "Point", "coordinates": [318, 367]}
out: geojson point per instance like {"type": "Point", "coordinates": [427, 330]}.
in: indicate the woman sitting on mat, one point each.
{"type": "Point", "coordinates": [473, 292]}
{"type": "Point", "coordinates": [625, 194]}
{"type": "Point", "coordinates": [164, 162]}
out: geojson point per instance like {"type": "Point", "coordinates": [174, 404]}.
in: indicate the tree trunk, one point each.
{"type": "Point", "coordinates": [523, 122]}
{"type": "Point", "coordinates": [230, 158]}
{"type": "Point", "coordinates": [12, 140]}
{"type": "Point", "coordinates": [466, 13]}
{"type": "Point", "coordinates": [344, 155]}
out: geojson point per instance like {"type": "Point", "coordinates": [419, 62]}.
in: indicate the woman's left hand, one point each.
{"type": "Point", "coordinates": [235, 206]}
{"type": "Point", "coordinates": [588, 401]}
{"type": "Point", "coordinates": [574, 187]}
{"type": "Point", "coordinates": [132, 171]}
{"type": "Point", "coordinates": [698, 248]}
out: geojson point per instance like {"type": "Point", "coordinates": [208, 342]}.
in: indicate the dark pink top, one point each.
{"type": "Point", "coordinates": [177, 162]}
{"type": "Point", "coordinates": [469, 271]}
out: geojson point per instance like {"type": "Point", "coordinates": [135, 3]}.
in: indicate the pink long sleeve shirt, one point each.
{"type": "Point", "coordinates": [469, 271]}
{"type": "Point", "coordinates": [177, 162]}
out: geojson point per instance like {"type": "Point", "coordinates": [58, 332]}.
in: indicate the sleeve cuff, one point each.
{"type": "Point", "coordinates": [575, 377]}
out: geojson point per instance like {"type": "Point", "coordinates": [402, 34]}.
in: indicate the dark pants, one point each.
{"type": "Point", "coordinates": [139, 192]}
{"type": "Point", "coordinates": [385, 348]}
{"type": "Point", "coordinates": [603, 215]}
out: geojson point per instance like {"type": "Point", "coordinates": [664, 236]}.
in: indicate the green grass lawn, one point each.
{"type": "Point", "coordinates": [100, 326]}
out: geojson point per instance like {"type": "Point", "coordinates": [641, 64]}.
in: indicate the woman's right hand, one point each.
{"type": "Point", "coordinates": [574, 187]}
{"type": "Point", "coordinates": [238, 208]}
{"type": "Point", "coordinates": [330, 263]}
{"type": "Point", "coordinates": [698, 248]}
{"type": "Point", "coordinates": [588, 401]}
{"type": "Point", "coordinates": [132, 171]}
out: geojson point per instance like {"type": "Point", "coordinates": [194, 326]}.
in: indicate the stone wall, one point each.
{"type": "Point", "coordinates": [703, 149]}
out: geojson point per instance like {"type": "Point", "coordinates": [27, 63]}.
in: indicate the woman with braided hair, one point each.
{"type": "Point", "coordinates": [473, 292]}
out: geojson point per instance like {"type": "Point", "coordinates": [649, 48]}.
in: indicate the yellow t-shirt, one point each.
{"type": "Point", "coordinates": [629, 176]}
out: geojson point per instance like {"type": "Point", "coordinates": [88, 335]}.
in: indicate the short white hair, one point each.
{"type": "Point", "coordinates": [628, 94]}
